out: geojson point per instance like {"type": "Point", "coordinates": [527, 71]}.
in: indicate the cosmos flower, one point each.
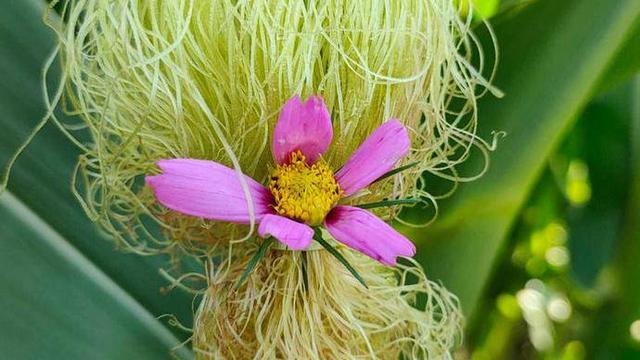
{"type": "Point", "coordinates": [302, 192]}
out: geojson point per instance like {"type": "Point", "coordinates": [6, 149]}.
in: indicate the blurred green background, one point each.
{"type": "Point", "coordinates": [542, 251]}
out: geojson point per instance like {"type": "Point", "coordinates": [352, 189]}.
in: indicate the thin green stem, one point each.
{"type": "Point", "coordinates": [254, 260]}
{"type": "Point", "coordinates": [386, 203]}
{"type": "Point", "coordinates": [395, 171]}
{"type": "Point", "coordinates": [338, 255]}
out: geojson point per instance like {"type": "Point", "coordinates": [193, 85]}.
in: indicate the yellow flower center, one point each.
{"type": "Point", "coordinates": [304, 192]}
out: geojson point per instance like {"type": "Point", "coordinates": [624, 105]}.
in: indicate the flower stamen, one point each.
{"type": "Point", "coordinates": [304, 192]}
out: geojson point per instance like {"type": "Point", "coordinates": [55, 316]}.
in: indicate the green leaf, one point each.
{"type": "Point", "coordinates": [553, 54]}
{"type": "Point", "coordinates": [58, 305]}
{"type": "Point", "coordinates": [41, 181]}
{"type": "Point", "coordinates": [595, 228]}
{"type": "Point", "coordinates": [626, 63]}
{"type": "Point", "coordinates": [387, 203]}
{"type": "Point", "coordinates": [262, 249]}
{"type": "Point", "coordinates": [338, 255]}
{"type": "Point", "coordinates": [482, 9]}
{"type": "Point", "coordinates": [616, 319]}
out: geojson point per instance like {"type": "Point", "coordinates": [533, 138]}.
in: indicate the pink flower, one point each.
{"type": "Point", "coordinates": [302, 191]}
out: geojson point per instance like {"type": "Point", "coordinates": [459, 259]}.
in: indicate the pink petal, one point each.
{"type": "Point", "coordinates": [376, 156]}
{"type": "Point", "coordinates": [365, 232]}
{"type": "Point", "coordinates": [209, 190]}
{"type": "Point", "coordinates": [305, 127]}
{"type": "Point", "coordinates": [295, 235]}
